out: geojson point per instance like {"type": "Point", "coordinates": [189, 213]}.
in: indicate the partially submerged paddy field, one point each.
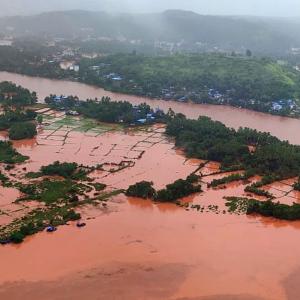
{"type": "Point", "coordinates": [168, 248]}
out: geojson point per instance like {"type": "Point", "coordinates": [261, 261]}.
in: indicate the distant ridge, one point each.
{"type": "Point", "coordinates": [259, 34]}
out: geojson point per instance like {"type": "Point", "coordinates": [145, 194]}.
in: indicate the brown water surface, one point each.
{"type": "Point", "coordinates": [186, 253]}
{"type": "Point", "coordinates": [135, 249]}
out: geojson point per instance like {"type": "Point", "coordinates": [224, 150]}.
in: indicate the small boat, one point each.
{"type": "Point", "coordinates": [80, 224]}
{"type": "Point", "coordinates": [5, 242]}
{"type": "Point", "coordinates": [51, 229]}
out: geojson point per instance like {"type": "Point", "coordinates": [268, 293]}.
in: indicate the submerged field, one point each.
{"type": "Point", "coordinates": [141, 249]}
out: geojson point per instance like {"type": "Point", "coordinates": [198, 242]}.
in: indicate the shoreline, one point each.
{"type": "Point", "coordinates": [284, 128]}
{"type": "Point", "coordinates": [130, 95]}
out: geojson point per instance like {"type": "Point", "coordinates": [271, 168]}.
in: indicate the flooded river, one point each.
{"type": "Point", "coordinates": [135, 249]}
{"type": "Point", "coordinates": [283, 128]}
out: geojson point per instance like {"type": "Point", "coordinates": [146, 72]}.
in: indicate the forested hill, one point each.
{"type": "Point", "coordinates": [191, 76]}
{"type": "Point", "coordinates": [257, 34]}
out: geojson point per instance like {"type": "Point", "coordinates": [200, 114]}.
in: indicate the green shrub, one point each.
{"type": "Point", "coordinates": [179, 189]}
{"type": "Point", "coordinates": [17, 237]}
{"type": "Point", "coordinates": [60, 169]}
{"type": "Point", "coordinates": [19, 131]}
{"type": "Point", "coordinates": [9, 155]}
{"type": "Point", "coordinates": [143, 189]}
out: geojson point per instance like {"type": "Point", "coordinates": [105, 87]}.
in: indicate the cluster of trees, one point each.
{"type": "Point", "coordinates": [66, 170]}
{"type": "Point", "coordinates": [106, 110]}
{"type": "Point", "coordinates": [20, 131]}
{"type": "Point", "coordinates": [66, 103]}
{"type": "Point", "coordinates": [143, 189]}
{"type": "Point", "coordinates": [15, 96]}
{"type": "Point", "coordinates": [20, 124]}
{"type": "Point", "coordinates": [179, 189]}
{"type": "Point", "coordinates": [211, 140]}
{"type": "Point", "coordinates": [29, 61]}
{"type": "Point", "coordinates": [60, 169]}
{"type": "Point", "coordinates": [11, 117]}
{"type": "Point", "coordinates": [112, 112]}
{"type": "Point", "coordinates": [174, 191]}
{"type": "Point", "coordinates": [276, 210]}
{"type": "Point", "coordinates": [14, 99]}
{"type": "Point", "coordinates": [31, 227]}
{"type": "Point", "coordinates": [9, 155]}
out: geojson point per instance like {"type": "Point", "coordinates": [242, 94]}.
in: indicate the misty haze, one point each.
{"type": "Point", "coordinates": [283, 8]}
{"type": "Point", "coordinates": [150, 150]}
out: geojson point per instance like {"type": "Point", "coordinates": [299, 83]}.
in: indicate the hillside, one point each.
{"type": "Point", "coordinates": [228, 33]}
{"type": "Point", "coordinates": [238, 77]}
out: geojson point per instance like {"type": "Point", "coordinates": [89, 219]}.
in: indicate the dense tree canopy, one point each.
{"type": "Point", "coordinates": [10, 117]}
{"type": "Point", "coordinates": [236, 78]}
{"type": "Point", "coordinates": [12, 95]}
{"type": "Point", "coordinates": [19, 131]}
{"type": "Point", "coordinates": [174, 191]}
{"type": "Point", "coordinates": [106, 110]}
{"type": "Point", "coordinates": [207, 139]}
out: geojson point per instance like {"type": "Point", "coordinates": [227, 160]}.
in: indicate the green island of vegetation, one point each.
{"type": "Point", "coordinates": [212, 140]}
{"type": "Point", "coordinates": [174, 191]}
{"type": "Point", "coordinates": [265, 208]}
{"type": "Point", "coordinates": [20, 131]}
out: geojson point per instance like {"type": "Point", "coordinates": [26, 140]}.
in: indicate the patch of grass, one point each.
{"type": "Point", "coordinates": [33, 175]}
{"type": "Point", "coordinates": [237, 205]}
{"type": "Point", "coordinates": [98, 186]}
{"type": "Point", "coordinates": [52, 191]}
{"type": "Point", "coordinates": [38, 106]}
{"type": "Point", "coordinates": [84, 125]}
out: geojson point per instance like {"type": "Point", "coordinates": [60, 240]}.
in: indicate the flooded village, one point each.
{"type": "Point", "coordinates": [145, 249]}
{"type": "Point", "coordinates": [149, 150]}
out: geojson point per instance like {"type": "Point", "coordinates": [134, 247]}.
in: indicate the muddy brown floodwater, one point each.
{"type": "Point", "coordinates": [135, 249]}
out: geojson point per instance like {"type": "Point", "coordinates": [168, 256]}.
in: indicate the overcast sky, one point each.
{"type": "Point", "coordinates": [285, 8]}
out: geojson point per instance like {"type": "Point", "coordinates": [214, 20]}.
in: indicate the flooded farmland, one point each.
{"type": "Point", "coordinates": [139, 249]}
